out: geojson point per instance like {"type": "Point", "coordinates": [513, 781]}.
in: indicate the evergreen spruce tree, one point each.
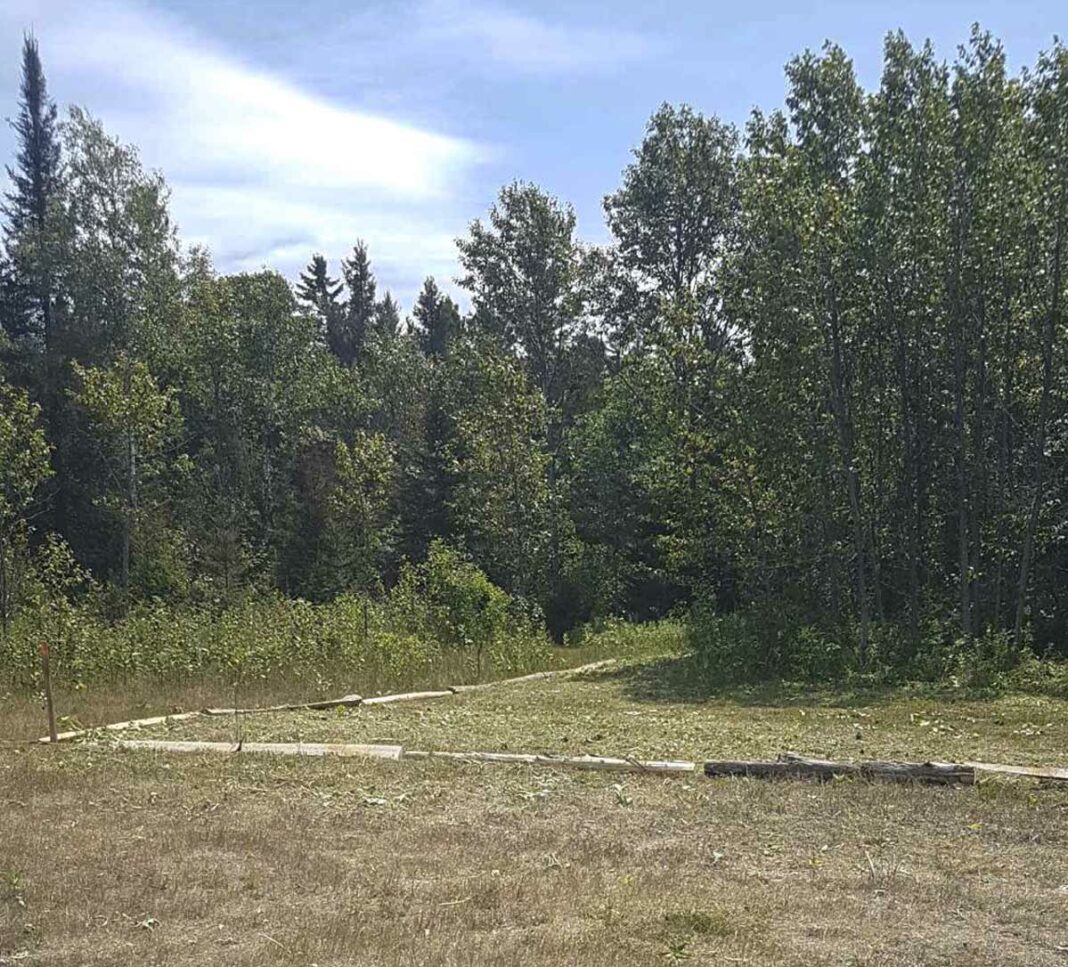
{"type": "Point", "coordinates": [437, 320]}
{"type": "Point", "coordinates": [387, 317]}
{"type": "Point", "coordinates": [347, 338]}
{"type": "Point", "coordinates": [34, 180]}
{"type": "Point", "coordinates": [320, 293]}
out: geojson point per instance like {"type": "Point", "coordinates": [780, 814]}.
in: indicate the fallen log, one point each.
{"type": "Point", "coordinates": [793, 766]}
{"type": "Point", "coordinates": [586, 762]}
{"type": "Point", "coordinates": [343, 749]}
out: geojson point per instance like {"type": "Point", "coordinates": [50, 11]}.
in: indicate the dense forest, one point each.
{"type": "Point", "coordinates": [815, 388]}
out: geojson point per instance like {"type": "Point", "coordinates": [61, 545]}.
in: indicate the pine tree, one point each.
{"type": "Point", "coordinates": [387, 317]}
{"type": "Point", "coordinates": [34, 179]}
{"type": "Point", "coordinates": [437, 320]}
{"type": "Point", "coordinates": [320, 293]}
{"type": "Point", "coordinates": [350, 333]}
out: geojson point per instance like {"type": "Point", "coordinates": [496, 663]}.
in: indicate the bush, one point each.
{"type": "Point", "coordinates": [742, 648]}
{"type": "Point", "coordinates": [444, 613]}
{"type": "Point", "coordinates": [615, 638]}
{"type": "Point", "coordinates": [748, 647]}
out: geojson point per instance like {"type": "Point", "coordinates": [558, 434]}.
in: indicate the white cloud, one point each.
{"type": "Point", "coordinates": [285, 231]}
{"type": "Point", "coordinates": [528, 44]}
{"type": "Point", "coordinates": [263, 172]}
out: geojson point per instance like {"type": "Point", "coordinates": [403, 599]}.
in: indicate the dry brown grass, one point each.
{"type": "Point", "coordinates": [140, 859]}
{"type": "Point", "coordinates": [133, 858]}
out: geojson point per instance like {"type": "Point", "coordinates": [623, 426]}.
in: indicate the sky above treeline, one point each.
{"type": "Point", "coordinates": [288, 128]}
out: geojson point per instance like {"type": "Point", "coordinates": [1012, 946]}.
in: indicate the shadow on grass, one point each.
{"type": "Point", "coordinates": [680, 679]}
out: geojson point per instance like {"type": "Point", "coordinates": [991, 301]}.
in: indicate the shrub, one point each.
{"type": "Point", "coordinates": [747, 647]}
{"type": "Point", "coordinates": [444, 613]}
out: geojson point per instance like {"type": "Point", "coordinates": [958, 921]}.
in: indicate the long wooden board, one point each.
{"type": "Point", "coordinates": [124, 726]}
{"type": "Point", "coordinates": [585, 762]}
{"type": "Point", "coordinates": [343, 749]}
{"type": "Point", "coordinates": [1054, 773]}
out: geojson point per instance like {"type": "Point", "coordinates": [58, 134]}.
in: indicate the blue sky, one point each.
{"type": "Point", "coordinates": [287, 128]}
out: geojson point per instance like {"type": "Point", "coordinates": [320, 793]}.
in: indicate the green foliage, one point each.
{"type": "Point", "coordinates": [770, 646]}
{"type": "Point", "coordinates": [444, 607]}
{"type": "Point", "coordinates": [815, 383]}
{"type": "Point", "coordinates": [613, 637]}
{"type": "Point", "coordinates": [24, 466]}
{"type": "Point", "coordinates": [523, 270]}
{"type": "Point", "coordinates": [451, 601]}
{"type": "Point", "coordinates": [23, 455]}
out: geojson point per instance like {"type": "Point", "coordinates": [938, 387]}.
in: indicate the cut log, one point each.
{"type": "Point", "coordinates": [584, 762]}
{"type": "Point", "coordinates": [792, 766]}
{"type": "Point", "coordinates": [277, 748]}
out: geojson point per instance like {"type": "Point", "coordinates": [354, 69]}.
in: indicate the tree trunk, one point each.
{"type": "Point", "coordinates": [4, 586]}
{"type": "Point", "coordinates": [1048, 339]}
{"type": "Point", "coordinates": [844, 422]}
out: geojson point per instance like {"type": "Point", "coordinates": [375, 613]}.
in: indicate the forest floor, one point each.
{"type": "Point", "coordinates": [114, 857]}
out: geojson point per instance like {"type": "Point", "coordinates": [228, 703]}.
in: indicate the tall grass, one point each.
{"type": "Point", "coordinates": [443, 622]}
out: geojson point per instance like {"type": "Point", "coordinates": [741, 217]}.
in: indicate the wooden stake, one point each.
{"type": "Point", "coordinates": [50, 704]}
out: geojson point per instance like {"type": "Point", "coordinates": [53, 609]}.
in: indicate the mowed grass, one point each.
{"type": "Point", "coordinates": [135, 858]}
{"type": "Point", "coordinates": [659, 708]}
{"type": "Point", "coordinates": [112, 857]}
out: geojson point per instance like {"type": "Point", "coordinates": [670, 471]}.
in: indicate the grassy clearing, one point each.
{"type": "Point", "coordinates": [656, 709]}
{"type": "Point", "coordinates": [111, 858]}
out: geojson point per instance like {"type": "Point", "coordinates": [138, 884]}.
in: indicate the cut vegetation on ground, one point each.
{"type": "Point", "coordinates": [658, 709]}
{"type": "Point", "coordinates": [115, 857]}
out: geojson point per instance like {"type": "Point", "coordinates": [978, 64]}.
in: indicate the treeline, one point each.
{"type": "Point", "coordinates": [819, 378]}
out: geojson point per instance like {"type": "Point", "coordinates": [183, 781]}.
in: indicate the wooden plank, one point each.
{"type": "Point", "coordinates": [123, 726]}
{"type": "Point", "coordinates": [538, 676]}
{"type": "Point", "coordinates": [406, 697]}
{"type": "Point", "coordinates": [792, 766]}
{"type": "Point", "coordinates": [585, 762]}
{"type": "Point", "coordinates": [276, 748]}
{"type": "Point", "coordinates": [1055, 773]}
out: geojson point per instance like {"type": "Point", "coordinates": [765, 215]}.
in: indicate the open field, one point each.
{"type": "Point", "coordinates": [110, 857]}
{"type": "Point", "coordinates": [136, 859]}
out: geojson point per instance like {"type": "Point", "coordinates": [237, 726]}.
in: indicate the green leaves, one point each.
{"type": "Point", "coordinates": [24, 457]}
